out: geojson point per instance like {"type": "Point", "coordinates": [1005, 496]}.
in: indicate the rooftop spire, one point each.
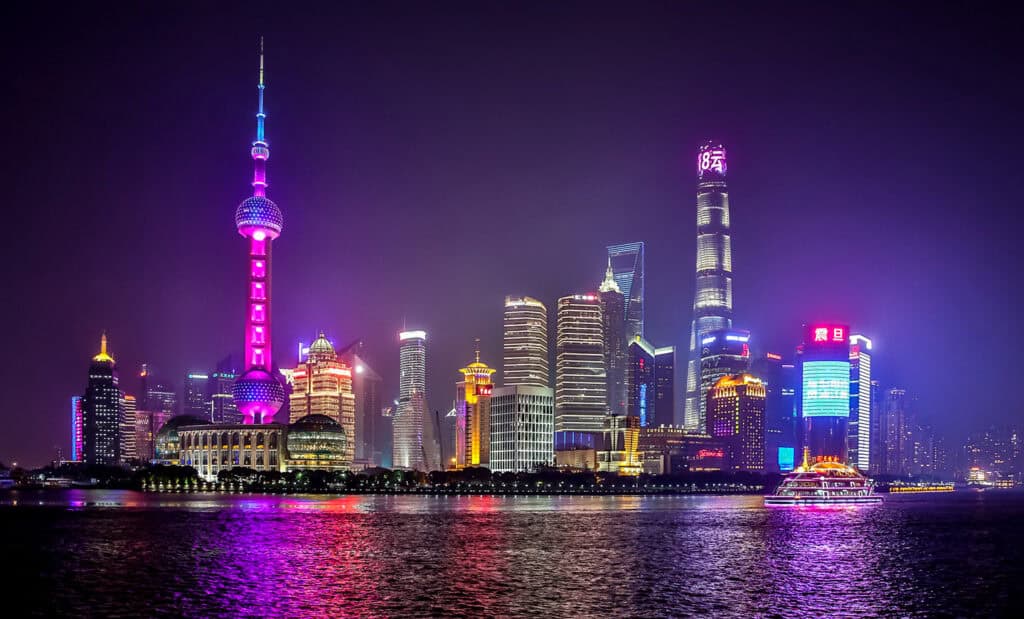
{"type": "Point", "coordinates": [103, 356]}
{"type": "Point", "coordinates": [260, 149]}
{"type": "Point", "coordinates": [609, 283]}
{"type": "Point", "coordinates": [476, 348]}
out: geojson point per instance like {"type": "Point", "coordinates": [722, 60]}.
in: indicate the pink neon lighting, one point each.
{"type": "Point", "coordinates": [257, 392]}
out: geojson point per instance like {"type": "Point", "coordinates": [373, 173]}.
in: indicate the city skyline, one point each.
{"type": "Point", "coordinates": [185, 315]}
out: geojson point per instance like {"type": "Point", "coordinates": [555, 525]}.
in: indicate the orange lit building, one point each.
{"type": "Point", "coordinates": [322, 385]}
{"type": "Point", "coordinates": [473, 414]}
{"type": "Point", "coordinates": [735, 407]}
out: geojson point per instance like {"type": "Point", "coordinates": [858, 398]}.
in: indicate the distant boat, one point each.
{"type": "Point", "coordinates": [85, 483]}
{"type": "Point", "coordinates": [823, 483]}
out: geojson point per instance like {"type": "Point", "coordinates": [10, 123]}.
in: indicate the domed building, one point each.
{"type": "Point", "coordinates": [167, 442]}
{"type": "Point", "coordinates": [322, 387]}
{"type": "Point", "coordinates": [317, 442]}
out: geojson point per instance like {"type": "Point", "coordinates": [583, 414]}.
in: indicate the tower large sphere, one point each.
{"type": "Point", "coordinates": [259, 212]}
{"type": "Point", "coordinates": [258, 396]}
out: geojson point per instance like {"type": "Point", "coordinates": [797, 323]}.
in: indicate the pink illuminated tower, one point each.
{"type": "Point", "coordinates": [257, 392]}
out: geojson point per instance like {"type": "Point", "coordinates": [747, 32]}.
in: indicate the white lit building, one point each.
{"type": "Point", "coordinates": [522, 428]}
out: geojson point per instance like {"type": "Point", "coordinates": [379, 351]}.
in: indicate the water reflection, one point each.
{"type": "Point", "coordinates": [123, 553]}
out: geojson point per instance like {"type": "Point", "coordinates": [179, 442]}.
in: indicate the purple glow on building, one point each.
{"type": "Point", "coordinates": [76, 428]}
{"type": "Point", "coordinates": [257, 393]}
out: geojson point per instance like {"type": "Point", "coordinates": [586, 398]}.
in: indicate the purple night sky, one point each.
{"type": "Point", "coordinates": [429, 163]}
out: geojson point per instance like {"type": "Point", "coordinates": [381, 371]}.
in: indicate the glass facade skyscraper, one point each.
{"type": "Point", "coordinates": [102, 411]}
{"type": "Point", "coordinates": [725, 352]}
{"type": "Point", "coordinates": [581, 401]}
{"type": "Point", "coordinates": [408, 449]}
{"type": "Point", "coordinates": [861, 413]}
{"type": "Point", "coordinates": [627, 265]}
{"type": "Point", "coordinates": [712, 305]}
{"type": "Point", "coordinates": [525, 342]}
{"type": "Point", "coordinates": [522, 428]}
{"type": "Point", "coordinates": [825, 391]}
{"type": "Point", "coordinates": [613, 310]}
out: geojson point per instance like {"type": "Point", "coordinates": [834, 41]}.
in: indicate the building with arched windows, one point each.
{"type": "Point", "coordinates": [211, 448]}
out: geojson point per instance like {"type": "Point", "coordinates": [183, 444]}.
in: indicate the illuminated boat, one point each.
{"type": "Point", "coordinates": [827, 482]}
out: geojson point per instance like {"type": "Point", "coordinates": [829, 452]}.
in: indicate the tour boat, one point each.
{"type": "Point", "coordinates": [823, 483]}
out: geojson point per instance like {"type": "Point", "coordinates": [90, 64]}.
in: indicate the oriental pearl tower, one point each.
{"type": "Point", "coordinates": [257, 392]}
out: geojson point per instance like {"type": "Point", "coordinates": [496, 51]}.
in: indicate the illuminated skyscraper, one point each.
{"type": "Point", "coordinates": [129, 407]}
{"type": "Point", "coordinates": [408, 450]}
{"type": "Point", "coordinates": [780, 378]}
{"type": "Point", "coordinates": [258, 393]}
{"type": "Point", "coordinates": [627, 265]}
{"type": "Point", "coordinates": [580, 381]}
{"type": "Point", "coordinates": [196, 398]}
{"type": "Point", "coordinates": [473, 414]}
{"type": "Point", "coordinates": [323, 386]}
{"type": "Point", "coordinates": [736, 415]}
{"type": "Point", "coordinates": [859, 428]}
{"type": "Point", "coordinates": [712, 305]}
{"type": "Point", "coordinates": [725, 352]}
{"type": "Point", "coordinates": [664, 385]}
{"type": "Point", "coordinates": [613, 311]}
{"type": "Point", "coordinates": [370, 437]}
{"type": "Point", "coordinates": [102, 413]}
{"type": "Point", "coordinates": [897, 431]}
{"type": "Point", "coordinates": [525, 343]}
{"type": "Point", "coordinates": [640, 376]}
{"type": "Point", "coordinates": [222, 402]}
{"type": "Point", "coordinates": [825, 390]}
{"type": "Point", "coordinates": [76, 428]}
{"type": "Point", "coordinates": [157, 395]}
{"type": "Point", "coordinates": [522, 428]}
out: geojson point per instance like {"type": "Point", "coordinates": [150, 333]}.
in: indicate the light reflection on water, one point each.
{"type": "Point", "coordinates": [99, 552]}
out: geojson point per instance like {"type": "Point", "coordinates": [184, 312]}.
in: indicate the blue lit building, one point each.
{"type": "Point", "coordinates": [723, 352]}
{"type": "Point", "coordinates": [627, 265]}
{"type": "Point", "coordinates": [825, 391]}
{"type": "Point", "coordinates": [780, 377]}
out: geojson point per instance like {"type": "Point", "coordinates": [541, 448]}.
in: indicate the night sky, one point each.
{"type": "Point", "coordinates": [430, 162]}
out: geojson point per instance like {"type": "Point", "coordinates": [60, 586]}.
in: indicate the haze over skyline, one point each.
{"type": "Point", "coordinates": [428, 164]}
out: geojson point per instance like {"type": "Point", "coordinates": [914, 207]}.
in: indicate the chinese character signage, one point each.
{"type": "Point", "coordinates": [711, 159]}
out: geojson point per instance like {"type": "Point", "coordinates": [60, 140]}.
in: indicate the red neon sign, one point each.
{"type": "Point", "coordinates": [711, 453]}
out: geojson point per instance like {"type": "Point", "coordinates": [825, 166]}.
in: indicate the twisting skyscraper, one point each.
{"type": "Point", "coordinates": [257, 392]}
{"type": "Point", "coordinates": [712, 305]}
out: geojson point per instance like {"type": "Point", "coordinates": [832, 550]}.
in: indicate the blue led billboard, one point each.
{"type": "Point", "coordinates": [826, 389]}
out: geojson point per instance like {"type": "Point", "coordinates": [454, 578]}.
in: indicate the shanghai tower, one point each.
{"type": "Point", "coordinates": [257, 392]}
{"type": "Point", "coordinates": [712, 304]}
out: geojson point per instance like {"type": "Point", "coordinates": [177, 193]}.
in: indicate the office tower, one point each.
{"type": "Point", "coordinates": [859, 427]}
{"type": "Point", "coordinates": [620, 440]}
{"type": "Point", "coordinates": [157, 395]}
{"type": "Point", "coordinates": [580, 381]}
{"type": "Point", "coordinates": [147, 424]}
{"type": "Point", "coordinates": [641, 381]}
{"type": "Point", "coordinates": [627, 264]}
{"type": "Point", "coordinates": [664, 386]}
{"type": "Point", "coordinates": [525, 343]}
{"type": "Point", "coordinates": [196, 395]}
{"type": "Point", "coordinates": [473, 414]}
{"type": "Point", "coordinates": [725, 352]}
{"type": "Point", "coordinates": [408, 450]}
{"type": "Point", "coordinates": [323, 386]}
{"type": "Point", "coordinates": [258, 393]}
{"type": "Point", "coordinates": [780, 380]}
{"type": "Point", "coordinates": [76, 428]}
{"type": "Point", "coordinates": [129, 408]}
{"type": "Point", "coordinates": [825, 391]}
{"type": "Point", "coordinates": [877, 425]}
{"type": "Point", "coordinates": [896, 433]}
{"type": "Point", "coordinates": [736, 407]}
{"type": "Point", "coordinates": [366, 386]}
{"type": "Point", "coordinates": [222, 402]}
{"type": "Point", "coordinates": [712, 305]}
{"type": "Point", "coordinates": [522, 428]}
{"type": "Point", "coordinates": [102, 413]}
{"type": "Point", "coordinates": [613, 311]}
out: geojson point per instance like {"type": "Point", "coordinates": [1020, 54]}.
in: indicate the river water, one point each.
{"type": "Point", "coordinates": [122, 553]}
